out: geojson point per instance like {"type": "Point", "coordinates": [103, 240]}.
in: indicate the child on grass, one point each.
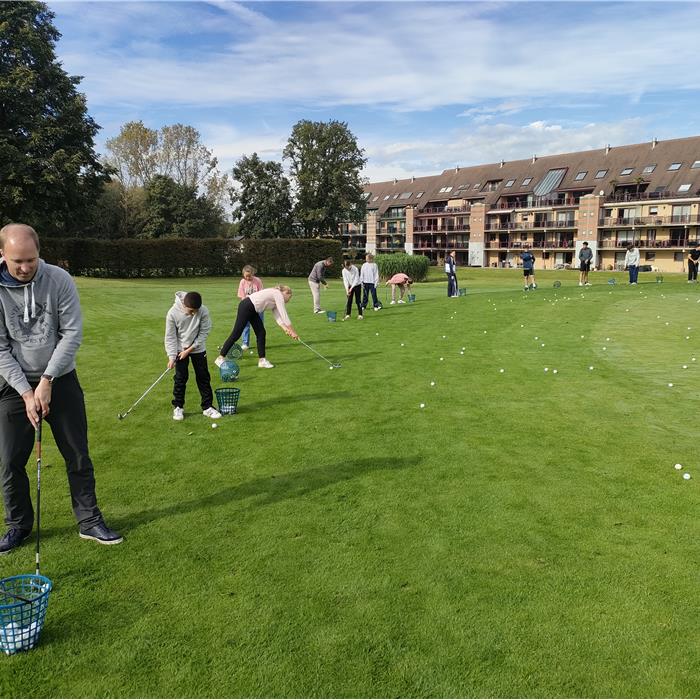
{"type": "Point", "coordinates": [248, 284]}
{"type": "Point", "coordinates": [403, 282]}
{"type": "Point", "coordinates": [353, 287]}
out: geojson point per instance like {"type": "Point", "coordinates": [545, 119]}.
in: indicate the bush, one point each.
{"type": "Point", "coordinates": [415, 266]}
{"type": "Point", "coordinates": [188, 257]}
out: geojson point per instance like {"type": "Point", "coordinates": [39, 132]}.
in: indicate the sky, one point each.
{"type": "Point", "coordinates": [424, 86]}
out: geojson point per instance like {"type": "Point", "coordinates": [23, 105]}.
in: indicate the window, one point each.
{"type": "Point", "coordinates": [684, 188]}
{"type": "Point", "coordinates": [601, 174]}
{"type": "Point", "coordinates": [492, 185]}
{"type": "Point", "coordinates": [386, 197]}
{"type": "Point", "coordinates": [650, 255]}
{"type": "Point", "coordinates": [396, 196]}
{"type": "Point", "coordinates": [366, 195]}
{"type": "Point", "coordinates": [476, 187]}
{"type": "Point", "coordinates": [675, 166]}
{"type": "Point", "coordinates": [420, 194]}
{"type": "Point", "coordinates": [527, 181]}
{"type": "Point", "coordinates": [463, 187]}
{"type": "Point", "coordinates": [375, 198]}
{"type": "Point", "coordinates": [510, 183]}
{"type": "Point", "coordinates": [549, 182]}
{"type": "Point", "coordinates": [696, 164]}
{"type": "Point", "coordinates": [581, 175]}
{"type": "Point", "coordinates": [446, 189]}
{"type": "Point", "coordinates": [653, 211]}
{"type": "Point", "coordinates": [649, 169]}
{"type": "Point", "coordinates": [405, 195]}
{"type": "Point", "coordinates": [678, 257]}
{"type": "Point", "coordinates": [626, 171]}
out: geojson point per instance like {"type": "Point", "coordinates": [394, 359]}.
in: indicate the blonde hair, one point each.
{"type": "Point", "coordinates": [284, 288]}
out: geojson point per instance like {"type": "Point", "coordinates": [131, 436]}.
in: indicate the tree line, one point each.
{"type": "Point", "coordinates": [151, 183]}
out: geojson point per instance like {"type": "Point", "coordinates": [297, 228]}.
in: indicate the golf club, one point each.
{"type": "Point", "coordinates": [335, 365]}
{"type": "Point", "coordinates": [121, 416]}
{"type": "Point", "coordinates": [38, 491]}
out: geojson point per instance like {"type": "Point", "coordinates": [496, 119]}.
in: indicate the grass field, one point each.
{"type": "Point", "coordinates": [524, 534]}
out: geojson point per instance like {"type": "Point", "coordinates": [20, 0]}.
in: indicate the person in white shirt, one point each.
{"type": "Point", "coordinates": [249, 309]}
{"type": "Point", "coordinates": [632, 262]}
{"type": "Point", "coordinates": [353, 287]}
{"type": "Point", "coordinates": [369, 276]}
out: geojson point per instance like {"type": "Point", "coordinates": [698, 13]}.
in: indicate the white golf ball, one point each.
{"type": "Point", "coordinates": [604, 348]}
{"type": "Point", "coordinates": [686, 476]}
{"type": "Point", "coordinates": [688, 327]}
{"type": "Point", "coordinates": [401, 344]}
{"type": "Point", "coordinates": [685, 366]}
{"type": "Point", "coordinates": [554, 371]}
{"type": "Point", "coordinates": [546, 369]}
{"type": "Point", "coordinates": [667, 323]}
{"type": "Point", "coordinates": [376, 334]}
{"type": "Point", "coordinates": [461, 352]}
{"type": "Point", "coordinates": [687, 337]}
{"type": "Point", "coordinates": [331, 367]}
{"type": "Point", "coordinates": [501, 370]}
{"type": "Point", "coordinates": [542, 345]}
{"type": "Point", "coordinates": [432, 383]}
{"type": "Point", "coordinates": [537, 337]}
{"type": "Point", "coordinates": [464, 348]}
{"type": "Point", "coordinates": [485, 332]}
{"type": "Point", "coordinates": [422, 405]}
{"type": "Point", "coordinates": [591, 367]}
{"type": "Point", "coordinates": [441, 359]}
{"type": "Point", "coordinates": [214, 425]}
{"type": "Point", "coordinates": [583, 336]}
{"type": "Point", "coordinates": [692, 359]}
{"type": "Point", "coordinates": [521, 325]}
{"type": "Point", "coordinates": [670, 384]}
{"type": "Point", "coordinates": [444, 336]}
{"type": "Point", "coordinates": [678, 466]}
{"type": "Point", "coordinates": [658, 317]}
{"type": "Point", "coordinates": [607, 339]}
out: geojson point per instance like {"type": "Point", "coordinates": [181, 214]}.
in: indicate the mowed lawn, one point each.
{"type": "Point", "coordinates": [523, 534]}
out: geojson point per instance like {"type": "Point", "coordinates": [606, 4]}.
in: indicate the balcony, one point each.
{"type": "Point", "coordinates": [563, 201]}
{"type": "Point", "coordinates": [548, 243]}
{"type": "Point", "coordinates": [441, 229]}
{"type": "Point", "coordinates": [529, 226]}
{"type": "Point", "coordinates": [609, 244]}
{"type": "Point", "coordinates": [644, 196]}
{"type": "Point", "coordinates": [609, 222]}
{"type": "Point", "coordinates": [443, 210]}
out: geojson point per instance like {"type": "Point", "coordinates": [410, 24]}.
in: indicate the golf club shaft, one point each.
{"type": "Point", "coordinates": [17, 597]}
{"type": "Point", "coordinates": [145, 393]}
{"type": "Point", "coordinates": [314, 351]}
{"type": "Point", "coordinates": [38, 491]}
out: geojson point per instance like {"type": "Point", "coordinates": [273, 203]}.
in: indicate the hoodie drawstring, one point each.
{"type": "Point", "coordinates": [26, 303]}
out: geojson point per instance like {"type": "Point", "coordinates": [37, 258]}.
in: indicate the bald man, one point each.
{"type": "Point", "coordinates": [40, 332]}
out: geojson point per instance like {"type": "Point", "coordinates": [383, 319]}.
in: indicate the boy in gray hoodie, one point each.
{"type": "Point", "coordinates": [40, 332]}
{"type": "Point", "coordinates": [187, 326]}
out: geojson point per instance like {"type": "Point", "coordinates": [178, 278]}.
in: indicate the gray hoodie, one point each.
{"type": "Point", "coordinates": [41, 326]}
{"type": "Point", "coordinates": [182, 330]}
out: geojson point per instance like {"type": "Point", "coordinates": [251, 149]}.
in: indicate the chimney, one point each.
{"type": "Point", "coordinates": [413, 179]}
{"type": "Point", "coordinates": [607, 149]}
{"type": "Point", "coordinates": [395, 180]}
{"type": "Point", "coordinates": [534, 158]}
{"type": "Point", "coordinates": [457, 169]}
{"type": "Point", "coordinates": [654, 141]}
{"type": "Point", "coordinates": [502, 164]}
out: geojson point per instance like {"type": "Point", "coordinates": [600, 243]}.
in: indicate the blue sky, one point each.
{"type": "Point", "coordinates": [423, 85]}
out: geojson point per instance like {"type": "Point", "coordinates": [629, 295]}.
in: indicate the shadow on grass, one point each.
{"type": "Point", "coordinates": [272, 489]}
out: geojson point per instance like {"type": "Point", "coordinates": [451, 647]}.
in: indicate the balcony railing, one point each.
{"type": "Point", "coordinates": [441, 229]}
{"type": "Point", "coordinates": [528, 225]}
{"type": "Point", "coordinates": [607, 244]}
{"type": "Point", "coordinates": [548, 243]}
{"type": "Point", "coordinates": [537, 202]}
{"type": "Point", "coordinates": [608, 222]}
{"type": "Point", "coordinates": [634, 197]}
{"type": "Point", "coordinates": [443, 210]}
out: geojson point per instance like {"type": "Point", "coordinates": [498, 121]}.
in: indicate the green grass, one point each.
{"type": "Point", "coordinates": [525, 534]}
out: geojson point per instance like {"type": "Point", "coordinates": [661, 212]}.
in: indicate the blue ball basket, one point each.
{"type": "Point", "coordinates": [331, 316]}
{"type": "Point", "coordinates": [229, 371]}
{"type": "Point", "coordinates": [23, 603]}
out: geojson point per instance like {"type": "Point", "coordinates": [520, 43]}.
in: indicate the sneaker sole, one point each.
{"type": "Point", "coordinates": [97, 539]}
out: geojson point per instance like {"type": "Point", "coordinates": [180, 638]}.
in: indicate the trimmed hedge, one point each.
{"type": "Point", "coordinates": [189, 257]}
{"type": "Point", "coordinates": [415, 266]}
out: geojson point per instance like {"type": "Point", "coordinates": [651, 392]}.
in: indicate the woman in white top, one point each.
{"type": "Point", "coordinates": [353, 288]}
{"type": "Point", "coordinates": [273, 299]}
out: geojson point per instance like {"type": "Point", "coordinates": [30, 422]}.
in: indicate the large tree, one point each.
{"type": "Point", "coordinates": [49, 171]}
{"type": "Point", "coordinates": [325, 164]}
{"type": "Point", "coordinates": [133, 154]}
{"type": "Point", "coordinates": [262, 198]}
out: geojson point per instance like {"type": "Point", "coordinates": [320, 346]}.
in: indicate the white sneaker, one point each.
{"type": "Point", "coordinates": [580, 284]}
{"type": "Point", "coordinates": [211, 412]}
{"type": "Point", "coordinates": [359, 318]}
{"type": "Point", "coordinates": [588, 284]}
{"type": "Point", "coordinates": [392, 301]}
{"type": "Point", "coordinates": [401, 301]}
{"type": "Point", "coordinates": [265, 364]}
{"type": "Point", "coordinates": [178, 413]}
{"type": "Point", "coordinates": [244, 347]}
{"type": "Point", "coordinates": [319, 311]}
{"type": "Point", "coordinates": [377, 308]}
{"type": "Point", "coordinates": [347, 316]}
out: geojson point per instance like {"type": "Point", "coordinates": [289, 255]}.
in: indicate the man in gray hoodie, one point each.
{"type": "Point", "coordinates": [40, 332]}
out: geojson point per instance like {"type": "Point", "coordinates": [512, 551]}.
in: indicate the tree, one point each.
{"type": "Point", "coordinates": [183, 157]}
{"type": "Point", "coordinates": [49, 171]}
{"type": "Point", "coordinates": [176, 211]}
{"type": "Point", "coordinates": [263, 200]}
{"type": "Point", "coordinates": [134, 154]}
{"type": "Point", "coordinates": [325, 164]}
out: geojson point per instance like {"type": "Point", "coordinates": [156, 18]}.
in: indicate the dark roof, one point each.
{"type": "Point", "coordinates": [614, 160]}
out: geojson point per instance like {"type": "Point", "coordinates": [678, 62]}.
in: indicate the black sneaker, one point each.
{"type": "Point", "coordinates": [13, 538]}
{"type": "Point", "coordinates": [101, 533]}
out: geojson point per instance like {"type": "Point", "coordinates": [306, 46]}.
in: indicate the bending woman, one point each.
{"type": "Point", "coordinates": [273, 299]}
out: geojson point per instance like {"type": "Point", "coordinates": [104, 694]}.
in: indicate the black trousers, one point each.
{"type": "Point", "coordinates": [354, 292]}
{"type": "Point", "coordinates": [246, 314]}
{"type": "Point", "coordinates": [692, 270]}
{"type": "Point", "coordinates": [68, 424]}
{"type": "Point", "coordinates": [201, 373]}
{"type": "Point", "coordinates": [451, 285]}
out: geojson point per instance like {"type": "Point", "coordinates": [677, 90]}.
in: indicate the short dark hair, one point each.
{"type": "Point", "coordinates": [192, 300]}
{"type": "Point", "coordinates": [585, 243]}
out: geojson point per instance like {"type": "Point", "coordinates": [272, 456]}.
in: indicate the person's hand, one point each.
{"type": "Point", "coordinates": [291, 333]}
{"type": "Point", "coordinates": [186, 352]}
{"type": "Point", "coordinates": [30, 408]}
{"type": "Point", "coordinates": [219, 360]}
{"type": "Point", "coordinates": [171, 363]}
{"type": "Point", "coordinates": [42, 397]}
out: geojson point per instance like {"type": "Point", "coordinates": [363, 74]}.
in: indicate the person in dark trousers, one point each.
{"type": "Point", "coordinates": [451, 272]}
{"type": "Point", "coordinates": [317, 277]}
{"type": "Point", "coordinates": [187, 326]}
{"type": "Point", "coordinates": [369, 277]}
{"type": "Point", "coordinates": [273, 299]}
{"type": "Point", "coordinates": [585, 256]}
{"type": "Point", "coordinates": [693, 257]}
{"type": "Point", "coordinates": [353, 288]}
{"type": "Point", "coordinates": [41, 330]}
{"type": "Point", "coordinates": [632, 258]}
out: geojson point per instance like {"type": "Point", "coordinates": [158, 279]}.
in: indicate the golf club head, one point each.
{"type": "Point", "coordinates": [121, 416]}
{"type": "Point", "coordinates": [336, 365]}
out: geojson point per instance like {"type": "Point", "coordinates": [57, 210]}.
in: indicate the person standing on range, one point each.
{"type": "Point", "coordinates": [40, 332]}
{"type": "Point", "coordinates": [451, 272]}
{"type": "Point", "coordinates": [316, 279]}
{"type": "Point", "coordinates": [632, 258]}
{"type": "Point", "coordinates": [693, 257]}
{"type": "Point", "coordinates": [585, 255]}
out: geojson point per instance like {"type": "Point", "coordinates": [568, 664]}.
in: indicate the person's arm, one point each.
{"type": "Point", "coordinates": [241, 289]}
{"type": "Point", "coordinates": [346, 280]}
{"type": "Point", "coordinates": [170, 340]}
{"type": "Point", "coordinates": [204, 329]}
{"type": "Point", "coordinates": [10, 369]}
{"type": "Point", "coordinates": [279, 312]}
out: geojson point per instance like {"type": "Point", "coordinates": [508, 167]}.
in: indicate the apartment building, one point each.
{"type": "Point", "coordinates": [646, 193]}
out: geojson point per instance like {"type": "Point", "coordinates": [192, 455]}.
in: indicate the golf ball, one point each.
{"type": "Point", "coordinates": [441, 359]}
{"type": "Point", "coordinates": [376, 334]}
{"type": "Point", "coordinates": [331, 367]}
{"type": "Point", "coordinates": [678, 466]}
{"type": "Point", "coordinates": [554, 371]}
{"type": "Point", "coordinates": [444, 336]}
{"type": "Point", "coordinates": [432, 383]}
{"type": "Point", "coordinates": [583, 336]}
{"type": "Point", "coordinates": [461, 352]}
{"type": "Point", "coordinates": [604, 348]}
{"type": "Point", "coordinates": [501, 371]}
{"type": "Point", "coordinates": [685, 366]}
{"type": "Point", "coordinates": [214, 425]}
{"type": "Point", "coordinates": [401, 344]}
{"type": "Point", "coordinates": [542, 345]}
{"type": "Point", "coordinates": [591, 367]}
{"type": "Point", "coordinates": [692, 359]}
{"type": "Point", "coordinates": [521, 325]}
{"type": "Point", "coordinates": [670, 384]}
{"type": "Point", "coordinates": [546, 369]}
{"type": "Point", "coordinates": [686, 476]}
{"type": "Point", "coordinates": [607, 339]}
{"type": "Point", "coordinates": [537, 337]}
{"type": "Point", "coordinates": [422, 405]}
{"type": "Point", "coordinates": [464, 348]}
{"type": "Point", "coordinates": [687, 337]}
